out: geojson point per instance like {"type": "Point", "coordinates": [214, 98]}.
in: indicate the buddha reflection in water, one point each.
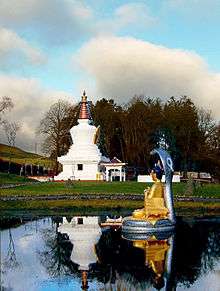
{"type": "Point", "coordinates": [155, 258]}
{"type": "Point", "coordinates": [154, 204]}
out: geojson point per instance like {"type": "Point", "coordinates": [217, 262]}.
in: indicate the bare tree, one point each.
{"type": "Point", "coordinates": [206, 123]}
{"type": "Point", "coordinates": [55, 127]}
{"type": "Point", "coordinates": [5, 104]}
{"type": "Point", "coordinates": [10, 129]}
{"type": "Point", "coordinates": [11, 261]}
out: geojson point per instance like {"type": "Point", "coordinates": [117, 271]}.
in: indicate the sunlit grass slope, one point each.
{"type": "Point", "coordinates": [22, 157]}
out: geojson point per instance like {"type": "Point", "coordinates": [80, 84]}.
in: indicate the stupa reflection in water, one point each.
{"type": "Point", "coordinates": [84, 233]}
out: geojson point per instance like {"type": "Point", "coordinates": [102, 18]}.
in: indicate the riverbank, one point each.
{"type": "Point", "coordinates": [53, 207]}
{"type": "Point", "coordinates": [86, 201]}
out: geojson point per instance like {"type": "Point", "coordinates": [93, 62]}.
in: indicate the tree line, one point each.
{"type": "Point", "coordinates": [132, 130]}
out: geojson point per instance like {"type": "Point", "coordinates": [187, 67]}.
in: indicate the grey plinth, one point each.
{"type": "Point", "coordinates": [142, 229]}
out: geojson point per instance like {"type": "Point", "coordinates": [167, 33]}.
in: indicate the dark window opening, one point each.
{"type": "Point", "coordinates": [80, 220]}
{"type": "Point", "coordinates": [80, 167]}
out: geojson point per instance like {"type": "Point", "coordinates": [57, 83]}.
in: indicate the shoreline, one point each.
{"type": "Point", "coordinates": [104, 196]}
{"type": "Point", "coordinates": [49, 205]}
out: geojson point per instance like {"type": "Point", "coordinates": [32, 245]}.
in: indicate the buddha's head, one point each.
{"type": "Point", "coordinates": [157, 171]}
{"type": "Point", "coordinates": [166, 162]}
{"type": "Point", "coordinates": [158, 282]}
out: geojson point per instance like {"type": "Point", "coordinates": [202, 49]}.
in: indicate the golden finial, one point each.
{"type": "Point", "coordinates": [84, 97]}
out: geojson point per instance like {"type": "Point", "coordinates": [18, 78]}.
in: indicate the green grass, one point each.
{"type": "Point", "coordinates": [55, 204]}
{"type": "Point", "coordinates": [197, 208]}
{"type": "Point", "coordinates": [19, 156]}
{"type": "Point", "coordinates": [13, 179]}
{"type": "Point", "coordinates": [205, 190]}
{"type": "Point", "coordinates": [58, 188]}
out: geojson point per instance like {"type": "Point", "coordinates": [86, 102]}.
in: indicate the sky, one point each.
{"type": "Point", "coordinates": [54, 49]}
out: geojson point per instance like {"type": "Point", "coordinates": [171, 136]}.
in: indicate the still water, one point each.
{"type": "Point", "coordinates": [85, 253]}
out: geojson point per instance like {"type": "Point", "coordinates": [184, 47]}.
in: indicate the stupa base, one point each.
{"type": "Point", "coordinates": [142, 229]}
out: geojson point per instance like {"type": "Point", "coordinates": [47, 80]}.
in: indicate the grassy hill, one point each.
{"type": "Point", "coordinates": [22, 157]}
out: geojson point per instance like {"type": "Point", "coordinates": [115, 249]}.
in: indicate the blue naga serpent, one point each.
{"type": "Point", "coordinates": [168, 171]}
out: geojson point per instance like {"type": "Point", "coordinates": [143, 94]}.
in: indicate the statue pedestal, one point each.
{"type": "Point", "coordinates": [144, 228]}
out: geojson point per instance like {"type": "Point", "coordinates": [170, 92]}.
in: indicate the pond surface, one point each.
{"type": "Point", "coordinates": [85, 253]}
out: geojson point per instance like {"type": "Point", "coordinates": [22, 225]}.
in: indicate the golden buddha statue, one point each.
{"type": "Point", "coordinates": [154, 204]}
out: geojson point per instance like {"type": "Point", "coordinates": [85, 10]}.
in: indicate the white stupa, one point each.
{"type": "Point", "coordinates": [82, 162]}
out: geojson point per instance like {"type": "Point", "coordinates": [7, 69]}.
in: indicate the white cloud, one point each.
{"type": "Point", "coordinates": [122, 67]}
{"type": "Point", "coordinates": [135, 13]}
{"type": "Point", "coordinates": [31, 101]}
{"type": "Point", "coordinates": [60, 22]}
{"type": "Point", "coordinates": [12, 46]}
{"type": "Point", "coordinates": [53, 21]}
{"type": "Point", "coordinates": [135, 16]}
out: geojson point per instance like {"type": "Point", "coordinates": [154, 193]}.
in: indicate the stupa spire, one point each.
{"type": "Point", "coordinates": [85, 285]}
{"type": "Point", "coordinates": [84, 112]}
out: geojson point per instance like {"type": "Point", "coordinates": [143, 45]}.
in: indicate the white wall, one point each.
{"type": "Point", "coordinates": [71, 172]}
{"type": "Point", "coordinates": [87, 220]}
{"type": "Point", "coordinates": [148, 179]}
{"type": "Point", "coordinates": [88, 173]}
